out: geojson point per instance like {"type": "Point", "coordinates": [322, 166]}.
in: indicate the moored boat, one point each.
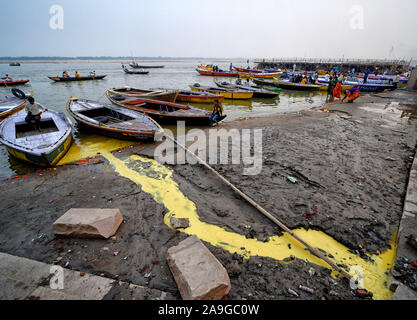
{"type": "Point", "coordinates": [226, 93]}
{"type": "Point", "coordinates": [14, 64]}
{"type": "Point", "coordinates": [64, 79]}
{"type": "Point", "coordinates": [217, 73]}
{"type": "Point", "coordinates": [263, 75]}
{"type": "Point", "coordinates": [140, 66]}
{"type": "Point", "coordinates": [126, 70]}
{"type": "Point", "coordinates": [44, 148]}
{"type": "Point", "coordinates": [113, 121]}
{"type": "Point", "coordinates": [257, 93]}
{"type": "Point", "coordinates": [12, 105]}
{"type": "Point", "coordinates": [247, 70]}
{"type": "Point", "coordinates": [200, 97]}
{"type": "Point", "coordinates": [165, 112]}
{"type": "Point", "coordinates": [6, 83]}
{"type": "Point", "coordinates": [160, 94]}
{"type": "Point", "coordinates": [287, 84]}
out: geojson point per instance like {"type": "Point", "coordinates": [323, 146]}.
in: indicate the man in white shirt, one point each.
{"type": "Point", "coordinates": [34, 111]}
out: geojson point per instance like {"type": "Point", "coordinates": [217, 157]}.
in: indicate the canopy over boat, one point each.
{"type": "Point", "coordinates": [112, 120]}
{"type": "Point", "coordinates": [45, 147]}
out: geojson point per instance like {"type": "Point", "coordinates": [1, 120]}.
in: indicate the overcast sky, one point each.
{"type": "Point", "coordinates": [215, 28]}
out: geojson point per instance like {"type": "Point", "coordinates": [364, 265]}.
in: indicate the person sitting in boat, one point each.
{"type": "Point", "coordinates": [77, 74]}
{"type": "Point", "coordinates": [34, 111]}
{"type": "Point", "coordinates": [352, 94]}
{"type": "Point", "coordinates": [304, 80]}
{"type": "Point", "coordinates": [217, 112]}
{"type": "Point", "coordinates": [337, 91]}
{"type": "Point", "coordinates": [8, 78]}
{"type": "Point", "coordinates": [92, 74]}
{"type": "Point", "coordinates": [65, 74]}
{"type": "Point", "coordinates": [238, 81]}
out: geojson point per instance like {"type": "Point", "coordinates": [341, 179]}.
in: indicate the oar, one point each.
{"type": "Point", "coordinates": [313, 250]}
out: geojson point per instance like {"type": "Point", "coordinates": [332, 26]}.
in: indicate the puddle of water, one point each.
{"type": "Point", "coordinates": [157, 180]}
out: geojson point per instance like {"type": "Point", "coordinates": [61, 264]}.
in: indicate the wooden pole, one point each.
{"type": "Point", "coordinates": [313, 250]}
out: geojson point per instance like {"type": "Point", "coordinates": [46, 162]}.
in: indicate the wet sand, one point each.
{"type": "Point", "coordinates": [351, 164]}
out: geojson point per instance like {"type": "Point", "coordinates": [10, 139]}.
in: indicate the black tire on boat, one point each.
{"type": "Point", "coordinates": [18, 93]}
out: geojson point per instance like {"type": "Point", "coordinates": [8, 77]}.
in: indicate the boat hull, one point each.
{"type": "Point", "coordinates": [61, 79]}
{"type": "Point", "coordinates": [226, 94]}
{"type": "Point", "coordinates": [13, 83]}
{"type": "Point", "coordinates": [218, 74]}
{"type": "Point", "coordinates": [198, 98]}
{"type": "Point", "coordinates": [49, 159]}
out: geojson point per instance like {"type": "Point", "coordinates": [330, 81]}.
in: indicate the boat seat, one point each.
{"type": "Point", "coordinates": [101, 119]}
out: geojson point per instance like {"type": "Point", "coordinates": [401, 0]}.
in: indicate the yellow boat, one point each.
{"type": "Point", "coordinates": [205, 68]}
{"type": "Point", "coordinates": [226, 93]}
{"type": "Point", "coordinates": [344, 87]}
{"type": "Point", "coordinates": [12, 105]}
{"type": "Point", "coordinates": [269, 75]}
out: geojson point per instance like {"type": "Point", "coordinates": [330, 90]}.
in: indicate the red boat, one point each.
{"type": "Point", "coordinates": [217, 74]}
{"type": "Point", "coordinates": [5, 83]}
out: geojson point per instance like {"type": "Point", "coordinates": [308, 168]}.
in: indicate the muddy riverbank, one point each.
{"type": "Point", "coordinates": [351, 166]}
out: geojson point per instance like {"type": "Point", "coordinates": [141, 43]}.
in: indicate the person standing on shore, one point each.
{"type": "Point", "coordinates": [330, 90]}
{"type": "Point", "coordinates": [34, 111]}
{"type": "Point", "coordinates": [337, 91]}
{"type": "Point", "coordinates": [366, 75]}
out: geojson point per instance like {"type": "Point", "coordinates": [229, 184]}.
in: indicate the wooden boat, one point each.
{"type": "Point", "coordinates": [247, 70]}
{"type": "Point", "coordinates": [226, 93]}
{"type": "Point", "coordinates": [257, 93]}
{"type": "Point", "coordinates": [166, 112]}
{"type": "Point", "coordinates": [207, 68]}
{"type": "Point", "coordinates": [113, 121]}
{"type": "Point", "coordinates": [267, 87]}
{"type": "Point", "coordinates": [218, 73]}
{"type": "Point", "coordinates": [6, 83]}
{"type": "Point", "coordinates": [162, 94]}
{"type": "Point", "coordinates": [364, 87]}
{"type": "Point", "coordinates": [287, 84]}
{"type": "Point", "coordinates": [26, 143]}
{"type": "Point", "coordinates": [135, 71]}
{"type": "Point", "coordinates": [264, 75]}
{"type": "Point", "coordinates": [14, 64]}
{"type": "Point", "coordinates": [344, 87]}
{"type": "Point", "coordinates": [139, 66]}
{"type": "Point", "coordinates": [62, 79]}
{"type": "Point", "coordinates": [200, 97]}
{"type": "Point", "coordinates": [11, 106]}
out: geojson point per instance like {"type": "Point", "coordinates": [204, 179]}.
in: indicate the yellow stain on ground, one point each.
{"type": "Point", "coordinates": [157, 180]}
{"type": "Point", "coordinates": [91, 146]}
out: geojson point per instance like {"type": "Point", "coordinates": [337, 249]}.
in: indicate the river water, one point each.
{"type": "Point", "coordinates": [177, 74]}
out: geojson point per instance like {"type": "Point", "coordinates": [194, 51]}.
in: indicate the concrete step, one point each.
{"type": "Point", "coordinates": [22, 278]}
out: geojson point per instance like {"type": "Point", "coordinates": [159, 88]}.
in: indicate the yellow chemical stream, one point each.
{"type": "Point", "coordinates": [91, 146]}
{"type": "Point", "coordinates": [157, 180]}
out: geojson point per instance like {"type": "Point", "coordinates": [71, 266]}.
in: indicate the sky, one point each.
{"type": "Point", "coordinates": [250, 29]}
